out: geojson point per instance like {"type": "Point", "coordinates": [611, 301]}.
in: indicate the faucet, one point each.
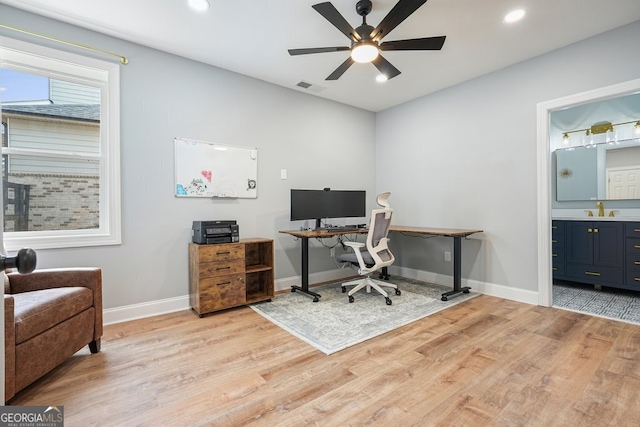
{"type": "Point", "coordinates": [600, 207]}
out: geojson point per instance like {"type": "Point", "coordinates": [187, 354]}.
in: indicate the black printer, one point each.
{"type": "Point", "coordinates": [209, 232]}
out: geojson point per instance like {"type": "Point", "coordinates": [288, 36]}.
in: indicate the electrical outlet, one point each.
{"type": "Point", "coordinates": [447, 256]}
{"type": "Point", "coordinates": [332, 251]}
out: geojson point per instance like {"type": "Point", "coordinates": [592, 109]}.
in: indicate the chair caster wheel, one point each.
{"type": "Point", "coordinates": [351, 298]}
{"type": "Point", "coordinates": [388, 300]}
{"type": "Point", "coordinates": [444, 299]}
{"type": "Point", "coordinates": [293, 290]}
{"type": "Point", "coordinates": [466, 291]}
{"type": "Point", "coordinates": [344, 289]}
{"type": "Point", "coordinates": [398, 292]}
{"type": "Point", "coordinates": [315, 299]}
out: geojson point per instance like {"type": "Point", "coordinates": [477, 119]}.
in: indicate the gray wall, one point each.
{"type": "Point", "coordinates": [321, 144]}
{"type": "Point", "coordinates": [466, 156]}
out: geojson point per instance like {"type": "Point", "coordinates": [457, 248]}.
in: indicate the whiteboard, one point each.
{"type": "Point", "coordinates": [205, 169]}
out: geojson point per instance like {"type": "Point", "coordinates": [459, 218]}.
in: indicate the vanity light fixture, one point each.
{"type": "Point", "coordinates": [607, 128]}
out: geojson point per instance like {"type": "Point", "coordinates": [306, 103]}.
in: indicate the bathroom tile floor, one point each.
{"type": "Point", "coordinates": [607, 302]}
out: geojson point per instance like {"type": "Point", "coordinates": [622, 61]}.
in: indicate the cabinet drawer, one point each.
{"type": "Point", "coordinates": [632, 229]}
{"type": "Point", "coordinates": [557, 241]}
{"type": "Point", "coordinates": [217, 293]}
{"type": "Point", "coordinates": [594, 274]}
{"type": "Point", "coordinates": [632, 245]}
{"type": "Point", "coordinates": [633, 280]}
{"type": "Point", "coordinates": [558, 269]}
{"type": "Point", "coordinates": [225, 252]}
{"type": "Point", "coordinates": [557, 228]}
{"type": "Point", "coordinates": [220, 268]}
{"type": "Point", "coordinates": [633, 261]}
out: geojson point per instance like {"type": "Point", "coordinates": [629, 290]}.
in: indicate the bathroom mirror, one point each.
{"type": "Point", "coordinates": [599, 172]}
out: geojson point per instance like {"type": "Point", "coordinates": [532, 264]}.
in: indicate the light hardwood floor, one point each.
{"type": "Point", "coordinates": [484, 362]}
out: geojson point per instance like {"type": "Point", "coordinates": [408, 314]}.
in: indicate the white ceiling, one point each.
{"type": "Point", "coordinates": [251, 37]}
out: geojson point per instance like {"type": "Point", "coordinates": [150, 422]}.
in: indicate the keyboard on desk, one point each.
{"type": "Point", "coordinates": [345, 228]}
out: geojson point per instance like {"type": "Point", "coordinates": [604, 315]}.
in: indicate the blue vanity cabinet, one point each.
{"type": "Point", "coordinates": [557, 249]}
{"type": "Point", "coordinates": [595, 252]}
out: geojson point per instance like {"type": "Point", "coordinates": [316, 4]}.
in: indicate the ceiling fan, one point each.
{"type": "Point", "coordinates": [365, 40]}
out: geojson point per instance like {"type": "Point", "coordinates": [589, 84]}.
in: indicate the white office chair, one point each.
{"type": "Point", "coordinates": [376, 255]}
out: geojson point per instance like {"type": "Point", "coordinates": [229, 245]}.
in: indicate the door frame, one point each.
{"type": "Point", "coordinates": [544, 109]}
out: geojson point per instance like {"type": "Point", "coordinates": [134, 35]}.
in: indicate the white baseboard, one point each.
{"type": "Point", "coordinates": [500, 291]}
{"type": "Point", "coordinates": [170, 305]}
{"type": "Point", "coordinates": [146, 309]}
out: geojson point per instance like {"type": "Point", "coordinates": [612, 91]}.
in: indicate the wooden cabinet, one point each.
{"type": "Point", "coordinates": [557, 247]}
{"type": "Point", "coordinates": [229, 275]}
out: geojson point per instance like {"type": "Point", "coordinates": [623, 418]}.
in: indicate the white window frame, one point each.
{"type": "Point", "coordinates": [26, 57]}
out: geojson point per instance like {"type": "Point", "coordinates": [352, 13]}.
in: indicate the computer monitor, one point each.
{"type": "Point", "coordinates": [319, 204]}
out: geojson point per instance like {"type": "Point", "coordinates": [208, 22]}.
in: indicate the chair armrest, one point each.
{"type": "Point", "coordinates": [88, 277]}
{"type": "Point", "coordinates": [9, 348]}
{"type": "Point", "coordinates": [354, 245]}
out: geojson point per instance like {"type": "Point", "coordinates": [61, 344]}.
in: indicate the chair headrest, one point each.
{"type": "Point", "coordinates": [383, 199]}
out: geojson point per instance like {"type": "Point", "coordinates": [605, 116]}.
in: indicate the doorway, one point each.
{"type": "Point", "coordinates": [544, 109]}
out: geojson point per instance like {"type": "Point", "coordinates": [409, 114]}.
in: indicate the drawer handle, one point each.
{"type": "Point", "coordinates": [589, 230]}
{"type": "Point", "coordinates": [554, 254]}
{"type": "Point", "coordinates": [637, 279]}
{"type": "Point", "coordinates": [553, 227]}
{"type": "Point", "coordinates": [637, 230]}
{"type": "Point", "coordinates": [637, 263]}
{"type": "Point", "coordinates": [224, 283]}
{"type": "Point", "coordinates": [595, 230]}
{"type": "Point", "coordinates": [223, 253]}
{"type": "Point", "coordinates": [636, 246]}
{"type": "Point", "coordinates": [554, 241]}
{"type": "Point", "coordinates": [223, 268]}
{"type": "Point", "coordinates": [591, 273]}
{"type": "Point", "coordinates": [554, 268]}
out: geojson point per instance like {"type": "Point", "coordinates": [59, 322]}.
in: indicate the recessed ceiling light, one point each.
{"type": "Point", "coordinates": [199, 5]}
{"type": "Point", "coordinates": [514, 16]}
{"type": "Point", "coordinates": [381, 78]}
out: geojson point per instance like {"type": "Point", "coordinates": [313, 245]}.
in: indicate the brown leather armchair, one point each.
{"type": "Point", "coordinates": [49, 315]}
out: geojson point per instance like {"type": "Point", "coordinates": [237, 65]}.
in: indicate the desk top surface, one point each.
{"type": "Point", "coordinates": [452, 232]}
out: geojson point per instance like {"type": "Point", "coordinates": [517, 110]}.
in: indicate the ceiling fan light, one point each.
{"type": "Point", "coordinates": [364, 52]}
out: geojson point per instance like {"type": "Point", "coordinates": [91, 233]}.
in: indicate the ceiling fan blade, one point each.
{"type": "Point", "coordinates": [385, 67]}
{"type": "Point", "coordinates": [426, 43]}
{"type": "Point", "coordinates": [341, 69]}
{"type": "Point", "coordinates": [332, 15]}
{"type": "Point", "coordinates": [399, 13]}
{"type": "Point", "coordinates": [309, 50]}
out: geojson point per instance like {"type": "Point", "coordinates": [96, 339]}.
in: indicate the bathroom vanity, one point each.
{"type": "Point", "coordinates": [598, 251]}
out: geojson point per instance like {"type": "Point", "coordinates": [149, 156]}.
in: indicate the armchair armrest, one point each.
{"type": "Point", "coordinates": [9, 348]}
{"type": "Point", "coordinates": [354, 245]}
{"type": "Point", "coordinates": [88, 277]}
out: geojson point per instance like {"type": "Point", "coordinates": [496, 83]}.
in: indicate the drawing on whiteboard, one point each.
{"type": "Point", "coordinates": [204, 169]}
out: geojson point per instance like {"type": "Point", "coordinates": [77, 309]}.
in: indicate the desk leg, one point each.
{"type": "Point", "coordinates": [305, 272]}
{"type": "Point", "coordinates": [457, 273]}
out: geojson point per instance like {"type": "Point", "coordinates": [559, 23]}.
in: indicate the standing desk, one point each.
{"type": "Point", "coordinates": [456, 233]}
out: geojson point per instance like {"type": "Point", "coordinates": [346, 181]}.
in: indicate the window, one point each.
{"type": "Point", "coordinates": [60, 148]}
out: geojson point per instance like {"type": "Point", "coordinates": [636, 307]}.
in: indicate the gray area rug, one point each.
{"type": "Point", "coordinates": [612, 304]}
{"type": "Point", "coordinates": [334, 324]}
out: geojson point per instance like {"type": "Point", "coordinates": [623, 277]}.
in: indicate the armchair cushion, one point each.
{"type": "Point", "coordinates": [35, 312]}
